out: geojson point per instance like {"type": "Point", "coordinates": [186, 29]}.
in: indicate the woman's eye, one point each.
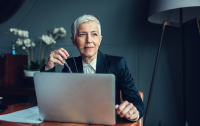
{"type": "Point", "coordinates": [94, 34]}
{"type": "Point", "coordinates": [81, 34]}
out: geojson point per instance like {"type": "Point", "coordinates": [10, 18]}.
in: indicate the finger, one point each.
{"type": "Point", "coordinates": [134, 116]}
{"type": "Point", "coordinates": [127, 115]}
{"type": "Point", "coordinates": [66, 53]}
{"type": "Point", "coordinates": [60, 52]}
{"type": "Point", "coordinates": [127, 111]}
{"type": "Point", "coordinates": [122, 106]}
{"type": "Point", "coordinates": [116, 106]}
{"type": "Point", "coordinates": [59, 58]}
{"type": "Point", "coordinates": [127, 108]}
{"type": "Point", "coordinates": [133, 110]}
{"type": "Point", "coordinates": [56, 61]}
{"type": "Point", "coordinates": [130, 112]}
{"type": "Point", "coordinates": [63, 50]}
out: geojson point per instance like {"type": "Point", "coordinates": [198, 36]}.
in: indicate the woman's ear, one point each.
{"type": "Point", "coordinates": [73, 42]}
{"type": "Point", "coordinates": [100, 40]}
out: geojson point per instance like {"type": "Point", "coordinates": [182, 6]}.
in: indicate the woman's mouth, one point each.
{"type": "Point", "coordinates": [89, 48]}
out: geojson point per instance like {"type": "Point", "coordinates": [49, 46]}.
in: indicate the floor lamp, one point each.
{"type": "Point", "coordinates": [176, 13]}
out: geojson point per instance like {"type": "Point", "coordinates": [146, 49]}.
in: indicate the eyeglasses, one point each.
{"type": "Point", "coordinates": [74, 62]}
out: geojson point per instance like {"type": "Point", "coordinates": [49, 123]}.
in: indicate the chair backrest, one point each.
{"type": "Point", "coordinates": [139, 122]}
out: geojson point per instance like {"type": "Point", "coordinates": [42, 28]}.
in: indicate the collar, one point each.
{"type": "Point", "coordinates": [93, 63]}
{"type": "Point", "coordinates": [101, 63]}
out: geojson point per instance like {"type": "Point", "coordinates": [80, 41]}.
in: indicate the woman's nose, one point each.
{"type": "Point", "coordinates": [89, 38]}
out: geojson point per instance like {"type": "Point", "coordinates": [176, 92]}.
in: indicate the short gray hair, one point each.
{"type": "Point", "coordinates": [82, 19]}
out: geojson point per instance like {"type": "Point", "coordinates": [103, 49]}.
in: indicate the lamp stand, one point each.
{"type": "Point", "coordinates": [179, 25]}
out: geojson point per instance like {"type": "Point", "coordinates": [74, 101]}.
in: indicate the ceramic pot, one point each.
{"type": "Point", "coordinates": [28, 73]}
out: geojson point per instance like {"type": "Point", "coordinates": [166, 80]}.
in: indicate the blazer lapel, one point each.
{"type": "Point", "coordinates": [101, 66]}
{"type": "Point", "coordinates": [78, 62]}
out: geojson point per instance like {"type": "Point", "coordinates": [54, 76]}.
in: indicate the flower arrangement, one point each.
{"type": "Point", "coordinates": [25, 42]}
{"type": "Point", "coordinates": [28, 43]}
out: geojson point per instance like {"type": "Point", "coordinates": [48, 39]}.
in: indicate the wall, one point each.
{"type": "Point", "coordinates": [126, 32]}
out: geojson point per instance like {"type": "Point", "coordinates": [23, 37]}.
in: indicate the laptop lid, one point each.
{"type": "Point", "coordinates": [76, 97]}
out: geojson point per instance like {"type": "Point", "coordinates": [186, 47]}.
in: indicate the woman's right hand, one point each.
{"type": "Point", "coordinates": [56, 57]}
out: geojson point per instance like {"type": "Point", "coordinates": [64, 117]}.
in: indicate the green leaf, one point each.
{"type": "Point", "coordinates": [26, 66]}
{"type": "Point", "coordinates": [42, 63]}
{"type": "Point", "coordinates": [34, 66]}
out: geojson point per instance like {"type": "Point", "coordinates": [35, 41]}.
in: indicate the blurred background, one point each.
{"type": "Point", "coordinates": [126, 32]}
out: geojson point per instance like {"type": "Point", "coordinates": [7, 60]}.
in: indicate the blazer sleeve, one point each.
{"type": "Point", "coordinates": [51, 70]}
{"type": "Point", "coordinates": [128, 88]}
{"type": "Point", "coordinates": [65, 69]}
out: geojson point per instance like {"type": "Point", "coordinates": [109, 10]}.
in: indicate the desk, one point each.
{"type": "Point", "coordinates": [21, 106]}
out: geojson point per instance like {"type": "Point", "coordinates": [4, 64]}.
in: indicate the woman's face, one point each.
{"type": "Point", "coordinates": [88, 38]}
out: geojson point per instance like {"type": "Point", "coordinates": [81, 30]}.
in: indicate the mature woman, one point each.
{"type": "Point", "coordinates": [86, 36]}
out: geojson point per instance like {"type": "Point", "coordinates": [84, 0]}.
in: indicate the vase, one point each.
{"type": "Point", "coordinates": [28, 73]}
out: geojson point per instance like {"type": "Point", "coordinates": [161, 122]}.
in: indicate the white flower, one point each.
{"type": "Point", "coordinates": [48, 39]}
{"type": "Point", "coordinates": [28, 45]}
{"type": "Point", "coordinates": [27, 42]}
{"type": "Point", "coordinates": [23, 47]}
{"type": "Point", "coordinates": [59, 32]}
{"type": "Point", "coordinates": [53, 41]}
{"type": "Point", "coordinates": [25, 34]}
{"type": "Point", "coordinates": [63, 30]}
{"type": "Point", "coordinates": [19, 42]}
{"type": "Point", "coordinates": [33, 44]}
{"type": "Point", "coordinates": [15, 31]}
{"type": "Point", "coordinates": [56, 30]}
{"type": "Point", "coordinates": [20, 33]}
{"type": "Point", "coordinates": [11, 29]}
{"type": "Point", "coordinates": [44, 38]}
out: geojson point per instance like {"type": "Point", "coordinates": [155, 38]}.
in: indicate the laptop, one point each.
{"type": "Point", "coordinates": [76, 97]}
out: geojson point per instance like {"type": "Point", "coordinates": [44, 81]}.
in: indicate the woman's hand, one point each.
{"type": "Point", "coordinates": [127, 110]}
{"type": "Point", "coordinates": [56, 57]}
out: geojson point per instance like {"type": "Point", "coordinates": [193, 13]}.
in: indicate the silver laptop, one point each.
{"type": "Point", "coordinates": [76, 97]}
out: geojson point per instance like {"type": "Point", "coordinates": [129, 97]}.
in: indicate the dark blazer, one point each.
{"type": "Point", "coordinates": [114, 65]}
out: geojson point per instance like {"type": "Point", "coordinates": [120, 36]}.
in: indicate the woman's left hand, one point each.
{"type": "Point", "coordinates": [127, 110]}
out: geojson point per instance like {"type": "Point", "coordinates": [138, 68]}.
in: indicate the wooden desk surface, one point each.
{"type": "Point", "coordinates": [21, 106]}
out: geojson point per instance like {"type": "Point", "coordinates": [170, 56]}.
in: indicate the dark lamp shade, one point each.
{"type": "Point", "coordinates": [169, 10]}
